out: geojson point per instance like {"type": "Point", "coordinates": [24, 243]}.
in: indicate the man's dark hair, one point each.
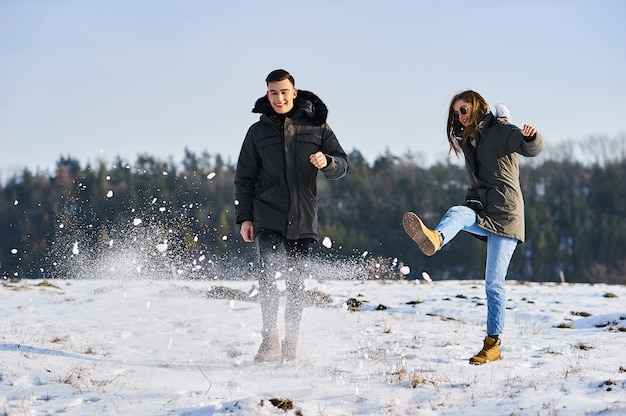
{"type": "Point", "coordinates": [279, 75]}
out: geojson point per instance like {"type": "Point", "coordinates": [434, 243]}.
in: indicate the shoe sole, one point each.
{"type": "Point", "coordinates": [414, 227]}
{"type": "Point", "coordinates": [474, 361]}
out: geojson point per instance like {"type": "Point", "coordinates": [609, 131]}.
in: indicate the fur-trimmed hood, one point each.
{"type": "Point", "coordinates": [306, 102]}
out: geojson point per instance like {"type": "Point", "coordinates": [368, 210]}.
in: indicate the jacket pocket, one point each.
{"type": "Point", "coordinates": [309, 138]}
{"type": "Point", "coordinates": [272, 198]}
{"type": "Point", "coordinates": [475, 199]}
{"type": "Point", "coordinates": [308, 143]}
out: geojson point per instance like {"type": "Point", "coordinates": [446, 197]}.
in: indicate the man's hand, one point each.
{"type": "Point", "coordinates": [247, 231]}
{"type": "Point", "coordinates": [318, 160]}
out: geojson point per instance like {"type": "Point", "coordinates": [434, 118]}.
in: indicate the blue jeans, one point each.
{"type": "Point", "coordinates": [499, 252]}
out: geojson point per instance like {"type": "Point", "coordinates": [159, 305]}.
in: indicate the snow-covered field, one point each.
{"type": "Point", "coordinates": [169, 347]}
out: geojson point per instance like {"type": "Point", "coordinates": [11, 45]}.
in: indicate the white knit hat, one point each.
{"type": "Point", "coordinates": [501, 110]}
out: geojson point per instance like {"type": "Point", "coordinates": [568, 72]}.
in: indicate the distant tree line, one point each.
{"type": "Point", "coordinates": [154, 216]}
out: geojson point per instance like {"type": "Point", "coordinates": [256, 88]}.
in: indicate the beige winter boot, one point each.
{"type": "Point", "coordinates": [270, 347]}
{"type": "Point", "coordinates": [490, 352]}
{"type": "Point", "coordinates": [429, 241]}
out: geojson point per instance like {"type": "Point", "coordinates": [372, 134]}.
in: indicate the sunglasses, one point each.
{"type": "Point", "coordinates": [462, 110]}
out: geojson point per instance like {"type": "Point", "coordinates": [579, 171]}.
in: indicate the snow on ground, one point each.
{"type": "Point", "coordinates": [165, 347]}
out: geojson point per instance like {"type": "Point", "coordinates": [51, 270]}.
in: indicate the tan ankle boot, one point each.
{"type": "Point", "coordinates": [490, 352]}
{"type": "Point", "coordinates": [270, 347]}
{"type": "Point", "coordinates": [429, 241]}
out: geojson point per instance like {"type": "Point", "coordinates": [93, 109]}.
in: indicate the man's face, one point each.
{"type": "Point", "coordinates": [281, 95]}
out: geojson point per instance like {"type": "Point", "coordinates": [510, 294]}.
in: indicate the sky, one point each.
{"type": "Point", "coordinates": [99, 80]}
{"type": "Point", "coordinates": [114, 344]}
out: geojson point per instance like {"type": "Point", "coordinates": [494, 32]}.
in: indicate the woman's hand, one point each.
{"type": "Point", "coordinates": [528, 130]}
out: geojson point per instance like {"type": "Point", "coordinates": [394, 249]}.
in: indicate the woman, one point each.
{"type": "Point", "coordinates": [493, 209]}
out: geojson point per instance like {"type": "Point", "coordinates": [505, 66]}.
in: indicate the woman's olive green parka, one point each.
{"type": "Point", "coordinates": [492, 167]}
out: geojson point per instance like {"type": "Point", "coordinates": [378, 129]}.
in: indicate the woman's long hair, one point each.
{"type": "Point", "coordinates": [454, 128]}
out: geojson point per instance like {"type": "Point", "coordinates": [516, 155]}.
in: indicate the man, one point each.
{"type": "Point", "coordinates": [276, 197]}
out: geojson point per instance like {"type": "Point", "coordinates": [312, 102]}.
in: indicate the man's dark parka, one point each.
{"type": "Point", "coordinates": [275, 183]}
{"type": "Point", "coordinates": [493, 174]}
